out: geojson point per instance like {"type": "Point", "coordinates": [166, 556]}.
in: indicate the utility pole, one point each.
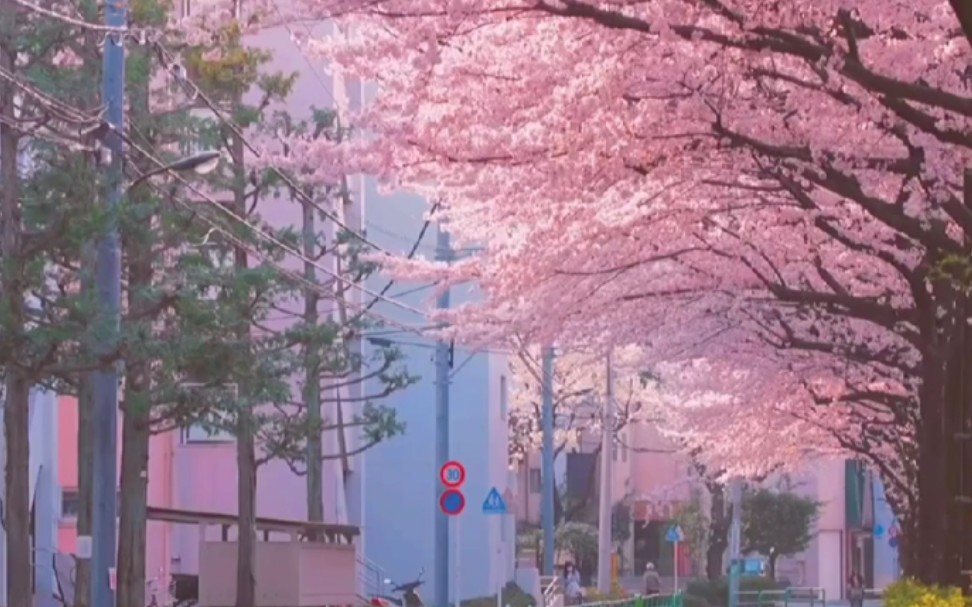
{"type": "Point", "coordinates": [547, 469]}
{"type": "Point", "coordinates": [604, 510]}
{"type": "Point", "coordinates": [443, 252]}
{"type": "Point", "coordinates": [108, 281]}
{"type": "Point", "coordinates": [735, 542]}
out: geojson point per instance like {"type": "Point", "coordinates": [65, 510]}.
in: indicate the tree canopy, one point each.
{"type": "Point", "coordinates": [777, 523]}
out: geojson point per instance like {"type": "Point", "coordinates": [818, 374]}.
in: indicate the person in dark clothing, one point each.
{"type": "Point", "coordinates": [652, 580]}
{"type": "Point", "coordinates": [855, 590]}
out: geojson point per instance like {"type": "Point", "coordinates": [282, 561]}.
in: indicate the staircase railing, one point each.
{"type": "Point", "coordinates": [553, 595]}
{"type": "Point", "coordinates": [371, 578]}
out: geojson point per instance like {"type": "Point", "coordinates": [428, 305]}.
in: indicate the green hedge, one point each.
{"type": "Point", "coordinates": [691, 600]}
{"type": "Point", "coordinates": [513, 596]}
{"type": "Point", "coordinates": [715, 593]}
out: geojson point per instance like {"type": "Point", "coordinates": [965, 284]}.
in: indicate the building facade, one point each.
{"type": "Point", "coordinates": [402, 485]}
{"type": "Point", "coordinates": [388, 491]}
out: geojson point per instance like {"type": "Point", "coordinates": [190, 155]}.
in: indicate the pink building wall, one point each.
{"type": "Point", "coordinates": [159, 474]}
{"type": "Point", "coordinates": [645, 468]}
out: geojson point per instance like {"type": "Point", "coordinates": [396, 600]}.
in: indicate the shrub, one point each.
{"type": "Point", "coordinates": [909, 593]}
{"type": "Point", "coordinates": [513, 596]}
{"type": "Point", "coordinates": [591, 595]}
{"type": "Point", "coordinates": [691, 600]}
{"type": "Point", "coordinates": [716, 592]}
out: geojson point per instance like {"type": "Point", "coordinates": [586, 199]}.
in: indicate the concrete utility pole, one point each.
{"type": "Point", "coordinates": [547, 469]}
{"type": "Point", "coordinates": [735, 542]}
{"type": "Point", "coordinates": [108, 280]}
{"type": "Point", "coordinates": [607, 475]}
{"type": "Point", "coordinates": [443, 252]}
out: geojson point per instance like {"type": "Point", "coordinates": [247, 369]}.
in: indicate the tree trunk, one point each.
{"type": "Point", "coordinates": [16, 411]}
{"type": "Point", "coordinates": [134, 498]}
{"type": "Point", "coordinates": [247, 470]}
{"type": "Point", "coordinates": [937, 553]}
{"type": "Point", "coordinates": [82, 581]}
{"type": "Point", "coordinates": [719, 522]}
{"type": "Point", "coordinates": [312, 377]}
{"type": "Point", "coordinates": [953, 511]}
{"type": "Point", "coordinates": [135, 444]}
{"type": "Point", "coordinates": [16, 421]}
{"type": "Point", "coordinates": [246, 464]}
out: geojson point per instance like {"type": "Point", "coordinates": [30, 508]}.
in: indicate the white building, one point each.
{"type": "Point", "coordinates": [401, 478]}
{"type": "Point", "coordinates": [44, 495]}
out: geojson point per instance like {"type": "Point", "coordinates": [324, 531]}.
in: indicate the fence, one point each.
{"type": "Point", "coordinates": [660, 600]}
{"type": "Point", "coordinates": [810, 597]}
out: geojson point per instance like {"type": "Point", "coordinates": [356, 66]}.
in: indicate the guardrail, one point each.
{"type": "Point", "coordinates": [552, 594]}
{"type": "Point", "coordinates": [810, 596]}
{"type": "Point", "coordinates": [658, 600]}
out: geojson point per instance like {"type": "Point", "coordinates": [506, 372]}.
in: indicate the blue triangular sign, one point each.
{"type": "Point", "coordinates": [494, 503]}
{"type": "Point", "coordinates": [674, 534]}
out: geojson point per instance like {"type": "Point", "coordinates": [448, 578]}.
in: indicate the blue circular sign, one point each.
{"type": "Point", "coordinates": [879, 531]}
{"type": "Point", "coordinates": [452, 502]}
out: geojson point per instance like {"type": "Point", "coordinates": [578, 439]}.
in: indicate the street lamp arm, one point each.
{"type": "Point", "coordinates": [202, 163]}
{"type": "Point", "coordinates": [144, 176]}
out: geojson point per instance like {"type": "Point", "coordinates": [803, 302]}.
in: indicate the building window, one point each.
{"type": "Point", "coordinates": [536, 482]}
{"type": "Point", "coordinates": [504, 403]}
{"type": "Point", "coordinates": [199, 433]}
{"type": "Point", "coordinates": [70, 503]}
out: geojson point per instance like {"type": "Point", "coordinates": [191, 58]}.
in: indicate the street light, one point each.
{"type": "Point", "coordinates": [108, 287]}
{"type": "Point", "coordinates": [200, 163]}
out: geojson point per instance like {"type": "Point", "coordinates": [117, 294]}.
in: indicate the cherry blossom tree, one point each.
{"type": "Point", "coordinates": [774, 189]}
{"type": "Point", "coordinates": [579, 393]}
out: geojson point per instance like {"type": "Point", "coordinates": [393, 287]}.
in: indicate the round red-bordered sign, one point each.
{"type": "Point", "coordinates": [452, 474]}
{"type": "Point", "coordinates": [452, 502]}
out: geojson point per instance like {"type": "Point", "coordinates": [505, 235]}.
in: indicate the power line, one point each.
{"type": "Point", "coordinates": [411, 254]}
{"type": "Point", "coordinates": [278, 243]}
{"type": "Point", "coordinates": [170, 63]}
{"type": "Point", "coordinates": [310, 64]}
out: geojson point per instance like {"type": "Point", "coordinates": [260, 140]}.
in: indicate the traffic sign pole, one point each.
{"type": "Point", "coordinates": [674, 535]}
{"type": "Point", "coordinates": [675, 564]}
{"type": "Point", "coordinates": [458, 595]}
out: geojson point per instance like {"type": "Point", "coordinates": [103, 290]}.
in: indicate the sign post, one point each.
{"type": "Point", "coordinates": [674, 536]}
{"type": "Point", "coordinates": [496, 503]}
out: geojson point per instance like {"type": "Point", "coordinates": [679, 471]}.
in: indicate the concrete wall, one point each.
{"type": "Point", "coordinates": [822, 564]}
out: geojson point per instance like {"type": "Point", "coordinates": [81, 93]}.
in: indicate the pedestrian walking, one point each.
{"type": "Point", "coordinates": [855, 590]}
{"type": "Point", "coordinates": [652, 580]}
{"type": "Point", "coordinates": [573, 591]}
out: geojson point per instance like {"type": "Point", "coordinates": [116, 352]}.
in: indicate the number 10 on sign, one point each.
{"type": "Point", "coordinates": [452, 474]}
